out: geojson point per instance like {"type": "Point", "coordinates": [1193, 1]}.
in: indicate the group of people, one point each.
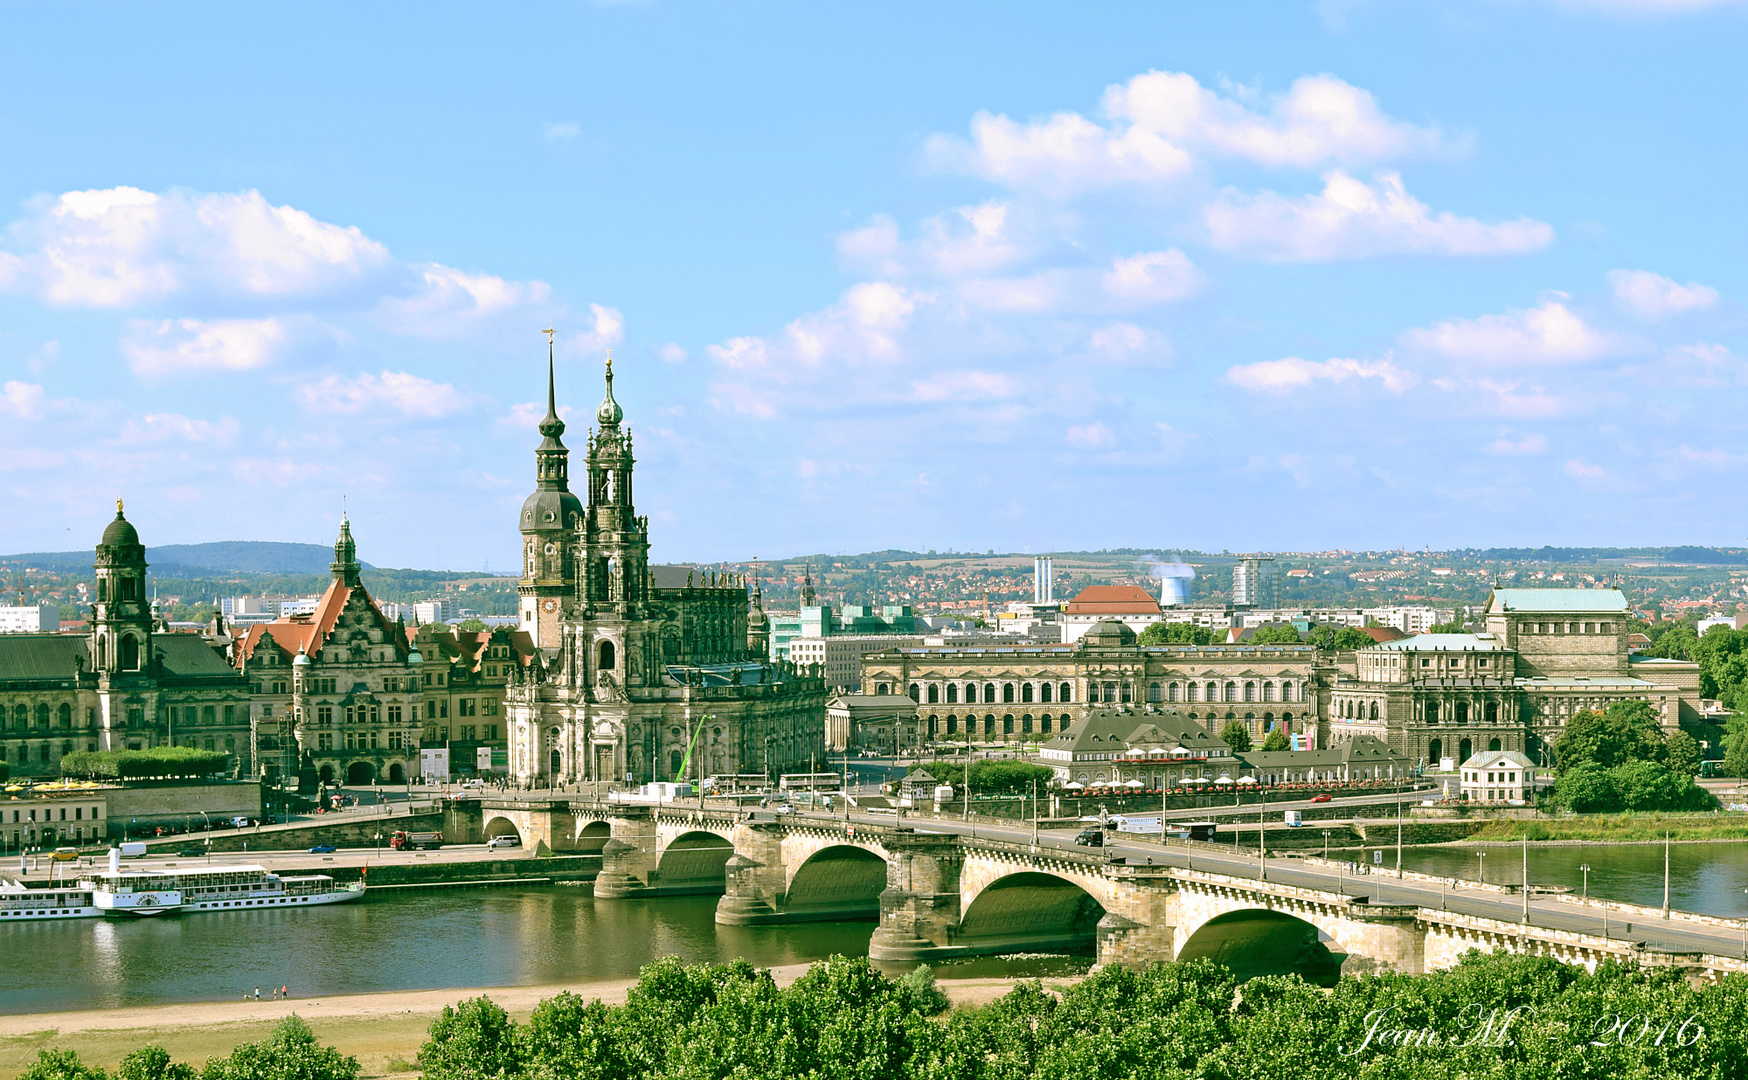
{"type": "Point", "coordinates": [278, 993]}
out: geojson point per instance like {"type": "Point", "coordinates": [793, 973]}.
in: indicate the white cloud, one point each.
{"type": "Point", "coordinates": [177, 346]}
{"type": "Point", "coordinates": [1531, 403]}
{"type": "Point", "coordinates": [565, 130]}
{"type": "Point", "coordinates": [1153, 277]}
{"type": "Point", "coordinates": [445, 301]}
{"type": "Point", "coordinates": [396, 391]}
{"type": "Point", "coordinates": [1093, 436]}
{"type": "Point", "coordinates": [1291, 373]}
{"type": "Point", "coordinates": [1645, 7]}
{"type": "Point", "coordinates": [20, 399]}
{"type": "Point", "coordinates": [964, 386]}
{"type": "Point", "coordinates": [1038, 293]}
{"type": "Point", "coordinates": [1160, 121]}
{"type": "Point", "coordinates": [1654, 296]}
{"type": "Point", "coordinates": [963, 241]}
{"type": "Point", "coordinates": [1126, 343]}
{"type": "Point", "coordinates": [1352, 219]}
{"type": "Point", "coordinates": [161, 427]}
{"type": "Point", "coordinates": [672, 353]}
{"type": "Point", "coordinates": [607, 330]}
{"type": "Point", "coordinates": [1580, 469]}
{"type": "Point", "coordinates": [1548, 334]}
{"type": "Point", "coordinates": [1529, 444]}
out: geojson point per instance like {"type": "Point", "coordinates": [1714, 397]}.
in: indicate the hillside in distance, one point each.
{"type": "Point", "coordinates": [200, 560]}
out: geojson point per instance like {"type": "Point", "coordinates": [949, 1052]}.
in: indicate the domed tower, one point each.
{"type": "Point", "coordinates": [615, 539]}
{"type": "Point", "coordinates": [121, 618]}
{"type": "Point", "coordinates": [550, 518]}
{"type": "Point", "coordinates": [345, 566]}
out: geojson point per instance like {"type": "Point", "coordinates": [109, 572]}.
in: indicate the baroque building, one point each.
{"type": "Point", "coordinates": [633, 661]}
{"type": "Point", "coordinates": [1542, 656]}
{"type": "Point", "coordinates": [1026, 692]}
{"type": "Point", "coordinates": [125, 685]}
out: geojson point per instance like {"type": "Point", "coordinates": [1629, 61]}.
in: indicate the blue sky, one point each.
{"type": "Point", "coordinates": [1024, 277]}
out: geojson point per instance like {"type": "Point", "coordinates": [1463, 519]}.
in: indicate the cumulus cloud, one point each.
{"type": "Point", "coordinates": [964, 386]}
{"type": "Point", "coordinates": [179, 346]}
{"type": "Point", "coordinates": [1160, 122]}
{"type": "Point", "coordinates": [1580, 469]}
{"type": "Point", "coordinates": [607, 329]}
{"type": "Point", "coordinates": [392, 391]}
{"type": "Point", "coordinates": [1126, 343]}
{"type": "Point", "coordinates": [20, 399]}
{"type": "Point", "coordinates": [167, 427]}
{"type": "Point", "coordinates": [1153, 277]}
{"type": "Point", "coordinates": [1352, 219]}
{"type": "Point", "coordinates": [1655, 296]}
{"type": "Point", "coordinates": [1529, 444]}
{"type": "Point", "coordinates": [1291, 373]}
{"type": "Point", "coordinates": [672, 353]}
{"type": "Point", "coordinates": [1550, 333]}
{"type": "Point", "coordinates": [1093, 436]}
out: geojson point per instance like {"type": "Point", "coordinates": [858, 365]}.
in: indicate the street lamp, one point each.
{"type": "Point", "coordinates": [1326, 843]}
{"type": "Point", "coordinates": [1481, 873]}
{"type": "Point", "coordinates": [1584, 868]}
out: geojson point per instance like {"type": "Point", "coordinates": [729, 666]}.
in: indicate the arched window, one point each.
{"type": "Point", "coordinates": [1128, 692]}
{"type": "Point", "coordinates": [42, 714]}
{"type": "Point", "coordinates": [1250, 691]}
{"type": "Point", "coordinates": [1493, 744]}
{"type": "Point", "coordinates": [1007, 724]}
{"type": "Point", "coordinates": [1044, 692]}
{"type": "Point", "coordinates": [1067, 693]}
{"type": "Point", "coordinates": [1026, 724]}
{"type": "Point", "coordinates": [1492, 712]}
{"type": "Point", "coordinates": [1374, 710]}
{"type": "Point", "coordinates": [952, 724]}
{"type": "Point", "coordinates": [1286, 691]}
{"type": "Point", "coordinates": [970, 691]}
{"type": "Point", "coordinates": [1462, 716]}
{"type": "Point", "coordinates": [988, 691]}
{"type": "Point", "coordinates": [66, 715]}
{"type": "Point", "coordinates": [1171, 692]}
{"type": "Point", "coordinates": [608, 659]}
{"type": "Point", "coordinates": [1432, 712]}
{"type": "Point", "coordinates": [1007, 692]}
{"type": "Point", "coordinates": [1026, 697]}
{"type": "Point", "coordinates": [1434, 750]}
{"type": "Point", "coordinates": [1268, 691]}
{"type": "Point", "coordinates": [952, 693]}
{"type": "Point", "coordinates": [915, 692]}
{"type": "Point", "coordinates": [130, 653]}
{"type": "Point", "coordinates": [934, 693]}
{"type": "Point", "coordinates": [883, 689]}
{"type": "Point", "coordinates": [1044, 724]}
{"type": "Point", "coordinates": [1155, 693]}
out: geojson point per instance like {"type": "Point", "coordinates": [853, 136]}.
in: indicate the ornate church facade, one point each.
{"type": "Point", "coordinates": [633, 661]}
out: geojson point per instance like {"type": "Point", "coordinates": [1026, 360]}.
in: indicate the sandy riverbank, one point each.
{"type": "Point", "coordinates": [384, 1031]}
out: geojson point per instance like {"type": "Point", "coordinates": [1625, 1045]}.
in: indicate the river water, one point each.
{"type": "Point", "coordinates": [1707, 877]}
{"type": "Point", "coordinates": [410, 941]}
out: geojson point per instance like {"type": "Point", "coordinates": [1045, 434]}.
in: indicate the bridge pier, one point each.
{"type": "Point", "coordinates": [920, 907]}
{"type": "Point", "coordinates": [630, 856]}
{"type": "Point", "coordinates": [1140, 923]}
{"type": "Point", "coordinates": [1384, 938]}
{"type": "Point", "coordinates": [756, 877]}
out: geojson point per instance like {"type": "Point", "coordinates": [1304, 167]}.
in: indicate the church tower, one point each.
{"type": "Point", "coordinates": [615, 539]}
{"type": "Point", "coordinates": [550, 519]}
{"type": "Point", "coordinates": [345, 566]}
{"type": "Point", "coordinates": [121, 619]}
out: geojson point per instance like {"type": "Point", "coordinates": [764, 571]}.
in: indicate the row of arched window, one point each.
{"type": "Point", "coordinates": [952, 693]}
{"type": "Point", "coordinates": [20, 716]}
{"type": "Point", "coordinates": [988, 725]}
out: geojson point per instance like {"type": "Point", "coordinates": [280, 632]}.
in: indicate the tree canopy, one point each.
{"type": "Point", "coordinates": [1276, 740]}
{"type": "Point", "coordinates": [991, 777]}
{"type": "Point", "coordinates": [1628, 731]}
{"type": "Point", "coordinates": [1179, 633]}
{"type": "Point", "coordinates": [1621, 760]}
{"type": "Point", "coordinates": [155, 763]}
{"type": "Point", "coordinates": [1340, 638]}
{"type": "Point", "coordinates": [1236, 735]}
{"type": "Point", "coordinates": [1276, 634]}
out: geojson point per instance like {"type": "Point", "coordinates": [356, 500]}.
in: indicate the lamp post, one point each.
{"type": "Point", "coordinates": [1481, 871]}
{"type": "Point", "coordinates": [1398, 829]}
{"type": "Point", "coordinates": [1666, 874]}
{"type": "Point", "coordinates": [1526, 878]}
{"type": "Point", "coordinates": [1326, 843]}
{"type": "Point", "coordinates": [1584, 868]}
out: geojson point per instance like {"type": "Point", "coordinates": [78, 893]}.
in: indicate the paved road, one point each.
{"type": "Point", "coordinates": [294, 860]}
{"type": "Point", "coordinates": [1382, 888]}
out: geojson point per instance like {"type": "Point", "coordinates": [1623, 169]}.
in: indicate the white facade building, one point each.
{"type": "Point", "coordinates": [1413, 619]}
{"type": "Point", "coordinates": [30, 619]}
{"type": "Point", "coordinates": [840, 655]}
{"type": "Point", "coordinates": [1498, 776]}
{"type": "Point", "coordinates": [426, 612]}
{"type": "Point", "coordinates": [1256, 582]}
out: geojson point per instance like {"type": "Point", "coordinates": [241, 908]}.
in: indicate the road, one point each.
{"type": "Point", "coordinates": [290, 860]}
{"type": "Point", "coordinates": [1378, 887]}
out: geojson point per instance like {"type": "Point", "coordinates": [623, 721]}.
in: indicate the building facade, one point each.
{"type": "Point", "coordinates": [1256, 582]}
{"type": "Point", "coordinates": [1544, 655]}
{"type": "Point", "coordinates": [1025, 693]}
{"type": "Point", "coordinates": [839, 657]}
{"type": "Point", "coordinates": [1130, 605]}
{"type": "Point", "coordinates": [126, 684]}
{"type": "Point", "coordinates": [635, 664]}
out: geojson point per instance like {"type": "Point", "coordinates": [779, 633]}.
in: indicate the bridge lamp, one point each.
{"type": "Point", "coordinates": [1481, 873]}
{"type": "Point", "coordinates": [1585, 868]}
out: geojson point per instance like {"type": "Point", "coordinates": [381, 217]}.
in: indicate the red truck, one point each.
{"type": "Point", "coordinates": [403, 840]}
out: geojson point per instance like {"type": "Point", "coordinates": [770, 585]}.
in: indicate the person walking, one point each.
{"type": "Point", "coordinates": [257, 993]}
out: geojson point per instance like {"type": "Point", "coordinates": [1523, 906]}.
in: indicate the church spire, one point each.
{"type": "Point", "coordinates": [609, 413]}
{"type": "Point", "coordinates": [807, 597]}
{"type": "Point", "coordinates": [550, 425]}
{"type": "Point", "coordinates": [552, 464]}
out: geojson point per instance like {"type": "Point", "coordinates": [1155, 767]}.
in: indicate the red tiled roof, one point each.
{"type": "Point", "coordinates": [302, 634]}
{"type": "Point", "coordinates": [1381, 634]}
{"type": "Point", "coordinates": [1113, 600]}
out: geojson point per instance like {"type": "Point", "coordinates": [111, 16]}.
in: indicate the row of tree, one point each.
{"type": "Point", "coordinates": [991, 777]}
{"type": "Point", "coordinates": [158, 762]}
{"type": "Point", "coordinates": [1492, 1015]}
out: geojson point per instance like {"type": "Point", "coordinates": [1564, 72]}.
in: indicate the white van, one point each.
{"type": "Point", "coordinates": [132, 850]}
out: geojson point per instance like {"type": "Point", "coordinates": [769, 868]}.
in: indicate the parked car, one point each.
{"type": "Point", "coordinates": [191, 853]}
{"type": "Point", "coordinates": [503, 842]}
{"type": "Point", "coordinates": [1091, 838]}
{"type": "Point", "coordinates": [1320, 798]}
{"type": "Point", "coordinates": [321, 849]}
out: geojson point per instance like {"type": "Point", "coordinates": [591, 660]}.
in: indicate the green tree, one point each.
{"type": "Point", "coordinates": [290, 1053]}
{"type": "Point", "coordinates": [1628, 731]}
{"type": "Point", "coordinates": [1736, 747]}
{"type": "Point", "coordinates": [1454, 627]}
{"type": "Point", "coordinates": [61, 1065]}
{"type": "Point", "coordinates": [1340, 638]}
{"type": "Point", "coordinates": [1677, 641]}
{"type": "Point", "coordinates": [1587, 788]}
{"type": "Point", "coordinates": [1236, 735]}
{"type": "Point", "coordinates": [1681, 754]}
{"type": "Point", "coordinates": [153, 1063]}
{"type": "Point", "coordinates": [473, 624]}
{"type": "Point", "coordinates": [1276, 740]}
{"type": "Point", "coordinates": [471, 1041]}
{"type": "Point", "coordinates": [1275, 634]}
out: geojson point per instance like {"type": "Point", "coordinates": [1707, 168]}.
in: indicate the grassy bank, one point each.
{"type": "Point", "coordinates": [1621, 828]}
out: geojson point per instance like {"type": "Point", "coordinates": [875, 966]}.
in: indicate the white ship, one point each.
{"type": "Point", "coordinates": [19, 902]}
{"type": "Point", "coordinates": [158, 892]}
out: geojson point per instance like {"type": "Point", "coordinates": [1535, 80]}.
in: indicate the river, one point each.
{"type": "Point", "coordinates": [410, 941]}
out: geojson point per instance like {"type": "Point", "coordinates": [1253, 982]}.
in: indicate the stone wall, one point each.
{"type": "Point", "coordinates": [140, 804]}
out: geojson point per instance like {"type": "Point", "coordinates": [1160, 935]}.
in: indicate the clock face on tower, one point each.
{"type": "Point", "coordinates": [550, 606]}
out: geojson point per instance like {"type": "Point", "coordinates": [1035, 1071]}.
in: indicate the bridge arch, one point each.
{"type": "Point", "coordinates": [502, 826]}
{"type": "Point", "coordinates": [1262, 941]}
{"type": "Point", "coordinates": [1031, 910]}
{"type": "Point", "coordinates": [839, 881]}
{"type": "Point", "coordinates": [592, 836]}
{"type": "Point", "coordinates": [695, 859]}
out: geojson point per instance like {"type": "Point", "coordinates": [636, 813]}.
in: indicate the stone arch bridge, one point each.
{"type": "Point", "coordinates": [941, 896]}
